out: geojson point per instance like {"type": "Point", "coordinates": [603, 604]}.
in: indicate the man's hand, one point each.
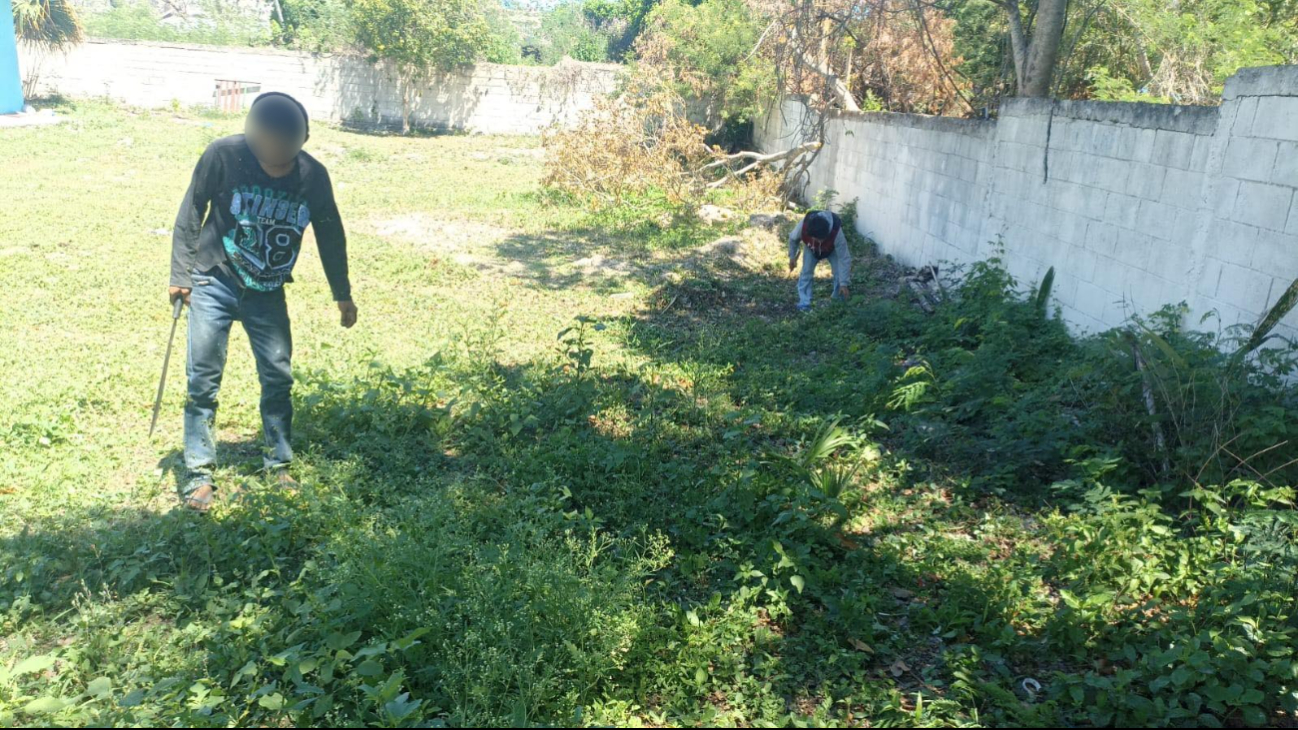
{"type": "Point", "coordinates": [348, 310]}
{"type": "Point", "coordinates": [178, 292]}
{"type": "Point", "coordinates": [792, 263]}
{"type": "Point", "coordinates": [842, 290]}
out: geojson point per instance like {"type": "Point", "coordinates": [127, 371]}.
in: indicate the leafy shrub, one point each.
{"type": "Point", "coordinates": [139, 21]}
{"type": "Point", "coordinates": [314, 25]}
{"type": "Point", "coordinates": [1015, 399]}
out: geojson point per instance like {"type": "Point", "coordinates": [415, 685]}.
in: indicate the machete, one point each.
{"type": "Point", "coordinates": [162, 383]}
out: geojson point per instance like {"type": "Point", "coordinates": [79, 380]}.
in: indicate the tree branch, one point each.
{"type": "Point", "coordinates": [1018, 41]}
{"type": "Point", "coordinates": [840, 89]}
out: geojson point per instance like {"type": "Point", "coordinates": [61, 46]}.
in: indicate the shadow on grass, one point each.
{"type": "Point", "coordinates": [604, 251]}
{"type": "Point", "coordinates": [561, 540]}
{"type": "Point", "coordinates": [237, 460]}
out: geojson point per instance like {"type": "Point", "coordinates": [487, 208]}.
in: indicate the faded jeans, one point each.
{"type": "Point", "coordinates": [809, 274]}
{"type": "Point", "coordinates": [216, 302]}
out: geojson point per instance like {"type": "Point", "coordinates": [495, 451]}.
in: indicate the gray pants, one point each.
{"type": "Point", "coordinates": [809, 274]}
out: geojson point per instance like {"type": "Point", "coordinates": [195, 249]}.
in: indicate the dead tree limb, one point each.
{"type": "Point", "coordinates": [759, 158]}
{"type": "Point", "coordinates": [836, 84]}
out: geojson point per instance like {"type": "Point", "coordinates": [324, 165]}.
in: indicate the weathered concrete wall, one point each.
{"type": "Point", "coordinates": [489, 98]}
{"type": "Point", "coordinates": [1135, 205]}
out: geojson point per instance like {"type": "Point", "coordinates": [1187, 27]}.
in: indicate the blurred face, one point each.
{"type": "Point", "coordinates": [270, 146]}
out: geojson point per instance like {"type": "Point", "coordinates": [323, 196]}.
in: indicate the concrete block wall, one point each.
{"type": "Point", "coordinates": [489, 98]}
{"type": "Point", "coordinates": [1135, 205]}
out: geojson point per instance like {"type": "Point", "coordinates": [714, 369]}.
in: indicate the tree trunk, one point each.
{"type": "Point", "coordinates": [407, 89]}
{"type": "Point", "coordinates": [1018, 42]}
{"type": "Point", "coordinates": [825, 28]}
{"type": "Point", "coordinates": [1043, 54]}
{"type": "Point", "coordinates": [32, 79]}
{"type": "Point", "coordinates": [848, 75]}
{"type": "Point", "coordinates": [840, 89]}
{"type": "Point", "coordinates": [836, 84]}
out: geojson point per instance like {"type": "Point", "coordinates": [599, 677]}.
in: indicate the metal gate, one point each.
{"type": "Point", "coordinates": [232, 96]}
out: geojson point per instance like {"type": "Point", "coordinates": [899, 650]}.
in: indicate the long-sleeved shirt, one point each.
{"type": "Point", "coordinates": [238, 218]}
{"type": "Point", "coordinates": [842, 257]}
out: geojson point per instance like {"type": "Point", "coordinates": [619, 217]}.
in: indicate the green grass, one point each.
{"type": "Point", "coordinates": [546, 488]}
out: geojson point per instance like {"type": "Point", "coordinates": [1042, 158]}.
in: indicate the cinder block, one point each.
{"type": "Point", "coordinates": [1186, 226]}
{"type": "Point", "coordinates": [1092, 300]}
{"type": "Point", "coordinates": [1145, 181]}
{"type": "Point", "coordinates": [1248, 289]}
{"type": "Point", "coordinates": [1276, 117]}
{"type": "Point", "coordinates": [1209, 276]}
{"type": "Point", "coordinates": [1157, 219]}
{"type": "Point", "coordinates": [1121, 210]}
{"type": "Point", "coordinates": [1292, 228]}
{"type": "Point", "coordinates": [1078, 199]}
{"type": "Point", "coordinates": [1067, 166]}
{"type": "Point", "coordinates": [1172, 149]}
{"type": "Point", "coordinates": [1145, 292]}
{"type": "Point", "coordinates": [1106, 173]}
{"type": "Point", "coordinates": [1051, 251]}
{"type": "Point", "coordinates": [1276, 254]}
{"type": "Point", "coordinates": [1018, 186]}
{"type": "Point", "coordinates": [1245, 110]}
{"type": "Point", "coordinates": [1262, 205]}
{"type": "Point", "coordinates": [1183, 189]}
{"type": "Point", "coordinates": [1224, 194]}
{"type": "Point", "coordinates": [1065, 289]}
{"type": "Point", "coordinates": [1070, 227]}
{"type": "Point", "coordinates": [1101, 237]}
{"type": "Point", "coordinates": [1170, 261]}
{"type": "Point", "coordinates": [1019, 157]}
{"type": "Point", "coordinates": [1122, 141]}
{"type": "Point", "coordinates": [1026, 130]}
{"type": "Point", "coordinates": [998, 204]}
{"type": "Point", "coordinates": [1286, 165]}
{"type": "Point", "coordinates": [1133, 249]}
{"type": "Point", "coordinates": [1250, 159]}
{"type": "Point", "coordinates": [1143, 151]}
{"type": "Point", "coordinates": [970, 169]}
{"type": "Point", "coordinates": [1081, 263]}
{"type": "Point", "coordinates": [1108, 140]}
{"type": "Point", "coordinates": [1232, 242]}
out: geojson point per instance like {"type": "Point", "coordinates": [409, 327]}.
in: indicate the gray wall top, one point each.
{"type": "Point", "coordinates": [1192, 119]}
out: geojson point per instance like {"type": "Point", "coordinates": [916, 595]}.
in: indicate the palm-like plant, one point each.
{"type": "Point", "coordinates": [50, 24]}
{"type": "Point", "coordinates": [826, 477]}
{"type": "Point", "coordinates": [45, 26]}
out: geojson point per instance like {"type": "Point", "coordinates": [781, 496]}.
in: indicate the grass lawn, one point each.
{"type": "Point", "coordinates": [561, 473]}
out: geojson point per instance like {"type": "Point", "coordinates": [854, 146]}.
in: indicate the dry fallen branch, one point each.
{"type": "Point", "coordinates": [783, 160]}
{"type": "Point", "coordinates": [643, 141]}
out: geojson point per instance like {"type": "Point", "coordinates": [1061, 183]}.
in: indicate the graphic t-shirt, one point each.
{"type": "Point", "coordinates": [238, 218]}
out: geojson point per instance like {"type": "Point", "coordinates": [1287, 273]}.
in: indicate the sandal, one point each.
{"type": "Point", "coordinates": [285, 481]}
{"type": "Point", "coordinates": [200, 497]}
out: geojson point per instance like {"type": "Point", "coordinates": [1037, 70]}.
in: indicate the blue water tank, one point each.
{"type": "Point", "coordinates": [11, 89]}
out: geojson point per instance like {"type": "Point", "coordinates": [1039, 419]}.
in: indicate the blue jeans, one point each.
{"type": "Point", "coordinates": [809, 274]}
{"type": "Point", "coordinates": [216, 302]}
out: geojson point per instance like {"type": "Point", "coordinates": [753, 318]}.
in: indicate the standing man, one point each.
{"type": "Point", "coordinates": [820, 236]}
{"type": "Point", "coordinates": [236, 240]}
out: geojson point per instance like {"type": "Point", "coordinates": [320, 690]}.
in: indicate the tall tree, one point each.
{"type": "Point", "coordinates": [1036, 54]}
